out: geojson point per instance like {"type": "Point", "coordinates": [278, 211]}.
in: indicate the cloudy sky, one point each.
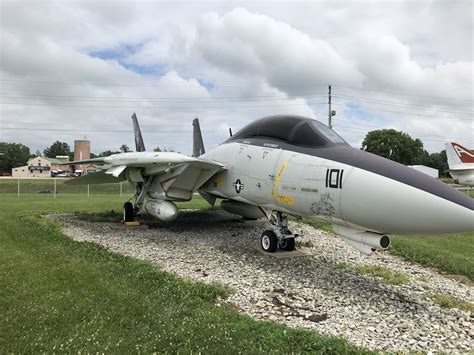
{"type": "Point", "coordinates": [71, 70]}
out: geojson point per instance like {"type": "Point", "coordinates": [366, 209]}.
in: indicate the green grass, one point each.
{"type": "Point", "coordinates": [389, 277]}
{"type": "Point", "coordinates": [446, 301]}
{"type": "Point", "coordinates": [452, 254]}
{"type": "Point", "coordinates": [325, 226]}
{"type": "Point", "coordinates": [342, 266]}
{"type": "Point", "coordinates": [58, 295]}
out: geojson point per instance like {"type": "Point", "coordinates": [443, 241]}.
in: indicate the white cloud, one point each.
{"type": "Point", "coordinates": [423, 49]}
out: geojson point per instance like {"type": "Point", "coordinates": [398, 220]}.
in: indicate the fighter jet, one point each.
{"type": "Point", "coordinates": [290, 165]}
{"type": "Point", "coordinates": [461, 163]}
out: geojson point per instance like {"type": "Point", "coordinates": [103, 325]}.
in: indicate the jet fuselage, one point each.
{"type": "Point", "coordinates": [338, 184]}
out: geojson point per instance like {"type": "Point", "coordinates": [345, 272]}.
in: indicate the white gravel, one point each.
{"type": "Point", "coordinates": [305, 292]}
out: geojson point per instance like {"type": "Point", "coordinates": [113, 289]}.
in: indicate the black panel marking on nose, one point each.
{"type": "Point", "coordinates": [345, 154]}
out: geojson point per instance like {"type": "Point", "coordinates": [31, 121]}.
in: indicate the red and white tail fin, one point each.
{"type": "Point", "coordinates": [457, 154]}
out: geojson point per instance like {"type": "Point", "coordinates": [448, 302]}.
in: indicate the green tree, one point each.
{"type": "Point", "coordinates": [164, 149]}
{"type": "Point", "coordinates": [57, 148]}
{"type": "Point", "coordinates": [124, 148]}
{"type": "Point", "coordinates": [394, 145]}
{"type": "Point", "coordinates": [106, 153]}
{"type": "Point", "coordinates": [13, 155]}
{"type": "Point", "coordinates": [437, 161]}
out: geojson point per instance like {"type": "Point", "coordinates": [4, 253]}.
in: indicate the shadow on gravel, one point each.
{"type": "Point", "coordinates": [237, 239]}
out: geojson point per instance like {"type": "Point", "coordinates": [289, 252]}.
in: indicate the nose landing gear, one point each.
{"type": "Point", "coordinates": [280, 237]}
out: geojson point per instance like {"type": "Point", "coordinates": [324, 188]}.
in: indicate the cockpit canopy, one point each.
{"type": "Point", "coordinates": [297, 130]}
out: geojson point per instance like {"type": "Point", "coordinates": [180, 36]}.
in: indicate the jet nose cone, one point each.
{"type": "Point", "coordinates": [402, 200]}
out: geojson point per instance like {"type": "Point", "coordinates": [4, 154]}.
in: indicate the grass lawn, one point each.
{"type": "Point", "coordinates": [58, 295]}
{"type": "Point", "coordinates": [453, 254]}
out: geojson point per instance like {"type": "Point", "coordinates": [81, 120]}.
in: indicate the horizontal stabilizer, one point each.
{"type": "Point", "coordinates": [116, 170]}
{"type": "Point", "coordinates": [97, 178]}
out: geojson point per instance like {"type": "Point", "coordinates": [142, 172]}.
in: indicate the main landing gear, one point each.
{"type": "Point", "coordinates": [280, 237]}
{"type": "Point", "coordinates": [130, 210]}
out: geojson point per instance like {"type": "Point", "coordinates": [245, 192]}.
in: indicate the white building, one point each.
{"type": "Point", "coordinates": [434, 173]}
{"type": "Point", "coordinates": [40, 167]}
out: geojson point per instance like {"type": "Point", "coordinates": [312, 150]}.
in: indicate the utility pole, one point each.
{"type": "Point", "coordinates": [330, 111]}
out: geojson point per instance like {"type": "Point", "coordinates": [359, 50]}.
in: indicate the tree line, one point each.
{"type": "Point", "coordinates": [400, 147]}
{"type": "Point", "coordinates": [388, 143]}
{"type": "Point", "coordinates": [13, 155]}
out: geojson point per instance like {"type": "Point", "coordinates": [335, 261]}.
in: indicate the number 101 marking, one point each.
{"type": "Point", "coordinates": [334, 178]}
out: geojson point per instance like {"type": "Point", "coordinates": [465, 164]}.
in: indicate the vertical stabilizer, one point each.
{"type": "Point", "coordinates": [457, 154]}
{"type": "Point", "coordinates": [198, 145]}
{"type": "Point", "coordinates": [453, 158]}
{"type": "Point", "coordinates": [139, 145]}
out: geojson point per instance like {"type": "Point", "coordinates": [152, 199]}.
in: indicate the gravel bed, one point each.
{"type": "Point", "coordinates": [322, 292]}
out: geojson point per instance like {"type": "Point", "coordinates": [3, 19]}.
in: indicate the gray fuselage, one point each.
{"type": "Point", "coordinates": [369, 193]}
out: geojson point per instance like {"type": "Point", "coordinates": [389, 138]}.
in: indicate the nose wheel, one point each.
{"type": "Point", "coordinates": [269, 241]}
{"type": "Point", "coordinates": [280, 237]}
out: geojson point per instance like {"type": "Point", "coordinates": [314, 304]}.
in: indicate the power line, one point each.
{"type": "Point", "coordinates": [403, 112]}
{"type": "Point", "coordinates": [404, 94]}
{"type": "Point", "coordinates": [361, 131]}
{"type": "Point", "coordinates": [223, 132]}
{"type": "Point", "coordinates": [200, 85]}
{"type": "Point", "coordinates": [379, 127]}
{"type": "Point", "coordinates": [102, 130]}
{"type": "Point", "coordinates": [197, 85]}
{"type": "Point", "coordinates": [393, 103]}
{"type": "Point", "coordinates": [165, 99]}
{"type": "Point", "coordinates": [163, 107]}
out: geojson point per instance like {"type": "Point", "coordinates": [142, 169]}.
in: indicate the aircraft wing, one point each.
{"type": "Point", "coordinates": [96, 178]}
{"type": "Point", "coordinates": [181, 179]}
{"type": "Point", "coordinates": [169, 174]}
{"type": "Point", "coordinates": [100, 161]}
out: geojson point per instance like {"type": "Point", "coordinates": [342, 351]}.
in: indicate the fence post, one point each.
{"type": "Point", "coordinates": [54, 193]}
{"type": "Point", "coordinates": [18, 187]}
{"type": "Point", "coordinates": [121, 189]}
{"type": "Point", "coordinates": [87, 190]}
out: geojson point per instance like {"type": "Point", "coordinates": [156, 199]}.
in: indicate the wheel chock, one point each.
{"type": "Point", "coordinates": [132, 223]}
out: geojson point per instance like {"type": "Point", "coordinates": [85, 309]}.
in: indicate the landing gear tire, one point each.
{"type": "Point", "coordinates": [287, 244]}
{"type": "Point", "coordinates": [128, 212]}
{"type": "Point", "coordinates": [269, 241]}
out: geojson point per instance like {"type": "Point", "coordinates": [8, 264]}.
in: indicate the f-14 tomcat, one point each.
{"type": "Point", "coordinates": [291, 165]}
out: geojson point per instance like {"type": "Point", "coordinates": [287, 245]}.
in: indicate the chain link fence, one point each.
{"type": "Point", "coordinates": [57, 186]}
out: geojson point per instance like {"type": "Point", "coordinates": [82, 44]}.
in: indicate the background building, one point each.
{"type": "Point", "coordinates": [426, 170]}
{"type": "Point", "coordinates": [82, 151]}
{"type": "Point", "coordinates": [40, 167]}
